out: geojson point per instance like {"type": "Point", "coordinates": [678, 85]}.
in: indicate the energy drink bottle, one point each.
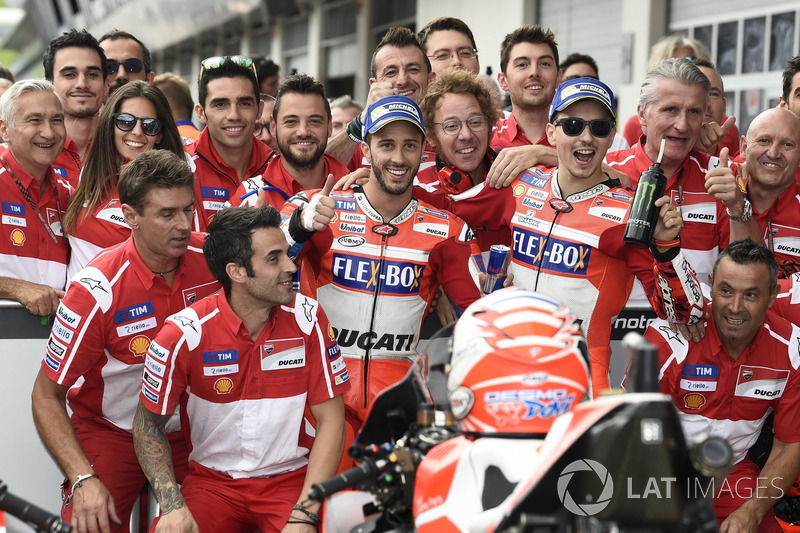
{"type": "Point", "coordinates": [644, 214]}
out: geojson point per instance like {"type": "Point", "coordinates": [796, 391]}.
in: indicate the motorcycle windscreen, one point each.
{"type": "Point", "coordinates": [393, 410]}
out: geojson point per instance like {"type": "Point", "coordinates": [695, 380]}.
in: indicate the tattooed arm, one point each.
{"type": "Point", "coordinates": [155, 458]}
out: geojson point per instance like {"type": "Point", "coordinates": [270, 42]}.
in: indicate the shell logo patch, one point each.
{"type": "Point", "coordinates": [519, 190]}
{"type": "Point", "coordinates": [223, 385]}
{"type": "Point", "coordinates": [17, 237]}
{"type": "Point", "coordinates": [139, 345]}
{"type": "Point", "coordinates": [694, 400]}
{"type": "Point", "coordinates": [331, 333]}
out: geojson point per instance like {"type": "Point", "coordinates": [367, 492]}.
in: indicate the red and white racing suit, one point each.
{"type": "Point", "coordinates": [375, 279]}
{"type": "Point", "coordinates": [572, 249]}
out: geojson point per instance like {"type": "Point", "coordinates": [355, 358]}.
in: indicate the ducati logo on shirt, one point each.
{"type": "Point", "coordinates": [280, 354]}
{"type": "Point", "coordinates": [760, 382]}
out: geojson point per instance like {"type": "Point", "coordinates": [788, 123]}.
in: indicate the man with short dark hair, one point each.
{"type": "Point", "coordinates": [577, 65]}
{"type": "Point", "coordinates": [267, 354]}
{"type": "Point", "coordinates": [76, 65]}
{"type": "Point", "coordinates": [227, 152]}
{"type": "Point", "coordinates": [727, 383]}
{"type": "Point", "coordinates": [268, 73]}
{"type": "Point", "coordinates": [567, 226]}
{"type": "Point", "coordinates": [715, 115]}
{"type": "Point", "coordinates": [34, 254]}
{"type": "Point", "coordinates": [127, 57]}
{"type": "Point", "coordinates": [790, 95]}
{"type": "Point", "coordinates": [264, 128]}
{"type": "Point", "coordinates": [103, 327]}
{"type": "Point", "coordinates": [383, 256]}
{"type": "Point", "coordinates": [529, 72]}
{"type": "Point", "coordinates": [449, 42]}
{"type": "Point", "coordinates": [399, 67]}
{"type": "Point", "coordinates": [301, 118]}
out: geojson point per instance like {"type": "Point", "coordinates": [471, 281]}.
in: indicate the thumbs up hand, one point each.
{"type": "Point", "coordinates": [319, 212]}
{"type": "Point", "coordinates": [722, 183]}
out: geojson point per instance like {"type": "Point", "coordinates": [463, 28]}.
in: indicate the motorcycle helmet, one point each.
{"type": "Point", "coordinates": [519, 360]}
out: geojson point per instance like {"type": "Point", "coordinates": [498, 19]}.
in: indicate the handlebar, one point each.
{"type": "Point", "coordinates": [368, 469]}
{"type": "Point", "coordinates": [28, 512]}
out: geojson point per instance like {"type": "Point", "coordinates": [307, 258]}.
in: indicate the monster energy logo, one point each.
{"type": "Point", "coordinates": [644, 197]}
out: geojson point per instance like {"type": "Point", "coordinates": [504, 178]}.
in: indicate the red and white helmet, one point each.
{"type": "Point", "coordinates": [519, 360]}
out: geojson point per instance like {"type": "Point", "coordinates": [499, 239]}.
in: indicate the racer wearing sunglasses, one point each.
{"type": "Point", "coordinates": [567, 225]}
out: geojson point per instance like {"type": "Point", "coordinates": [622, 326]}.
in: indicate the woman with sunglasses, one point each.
{"type": "Point", "coordinates": [135, 119]}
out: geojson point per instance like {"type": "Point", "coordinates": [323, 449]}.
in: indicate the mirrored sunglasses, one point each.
{"type": "Point", "coordinates": [126, 122]}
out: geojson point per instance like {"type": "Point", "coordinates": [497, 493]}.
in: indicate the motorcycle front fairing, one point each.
{"type": "Point", "coordinates": [619, 460]}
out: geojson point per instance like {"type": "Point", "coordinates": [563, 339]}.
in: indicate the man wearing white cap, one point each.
{"type": "Point", "coordinates": [384, 254]}
{"type": "Point", "coordinates": [567, 226]}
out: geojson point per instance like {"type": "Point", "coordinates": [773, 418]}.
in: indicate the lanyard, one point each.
{"type": "Point", "coordinates": [29, 199]}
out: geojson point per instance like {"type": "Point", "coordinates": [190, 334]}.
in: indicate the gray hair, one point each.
{"type": "Point", "coordinates": [9, 102]}
{"type": "Point", "coordinates": [673, 68]}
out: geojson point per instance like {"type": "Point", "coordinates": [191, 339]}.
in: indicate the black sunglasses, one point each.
{"type": "Point", "coordinates": [132, 65]}
{"type": "Point", "coordinates": [126, 122]}
{"type": "Point", "coordinates": [575, 126]}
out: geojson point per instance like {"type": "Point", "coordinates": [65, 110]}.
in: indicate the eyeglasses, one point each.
{"type": "Point", "coordinates": [260, 126]}
{"type": "Point", "coordinates": [446, 55]}
{"type": "Point", "coordinates": [210, 63]}
{"type": "Point", "coordinates": [126, 122]}
{"type": "Point", "coordinates": [575, 126]}
{"type": "Point", "coordinates": [131, 66]}
{"type": "Point", "coordinates": [452, 126]}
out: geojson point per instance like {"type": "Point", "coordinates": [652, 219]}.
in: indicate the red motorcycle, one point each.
{"type": "Point", "coordinates": [519, 446]}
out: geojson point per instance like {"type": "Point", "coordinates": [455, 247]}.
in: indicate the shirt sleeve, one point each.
{"type": "Point", "coordinates": [165, 374]}
{"type": "Point", "coordinates": [671, 285]}
{"type": "Point", "coordinates": [328, 376]}
{"type": "Point", "coordinates": [450, 258]}
{"type": "Point", "coordinates": [77, 338]}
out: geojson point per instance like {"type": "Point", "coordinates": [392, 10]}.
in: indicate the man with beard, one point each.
{"type": "Point", "coordinates": [399, 67]}
{"type": "Point", "coordinates": [383, 255]}
{"type": "Point", "coordinates": [567, 227]}
{"type": "Point", "coordinates": [127, 57]}
{"type": "Point", "coordinates": [227, 152]}
{"type": "Point", "coordinates": [76, 65]}
{"type": "Point", "coordinates": [244, 365]}
{"type": "Point", "coordinates": [301, 125]}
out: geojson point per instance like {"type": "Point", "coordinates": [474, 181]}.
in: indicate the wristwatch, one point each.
{"type": "Point", "coordinates": [747, 212]}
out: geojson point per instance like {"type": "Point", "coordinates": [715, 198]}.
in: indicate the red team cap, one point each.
{"type": "Point", "coordinates": [390, 109]}
{"type": "Point", "coordinates": [577, 89]}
